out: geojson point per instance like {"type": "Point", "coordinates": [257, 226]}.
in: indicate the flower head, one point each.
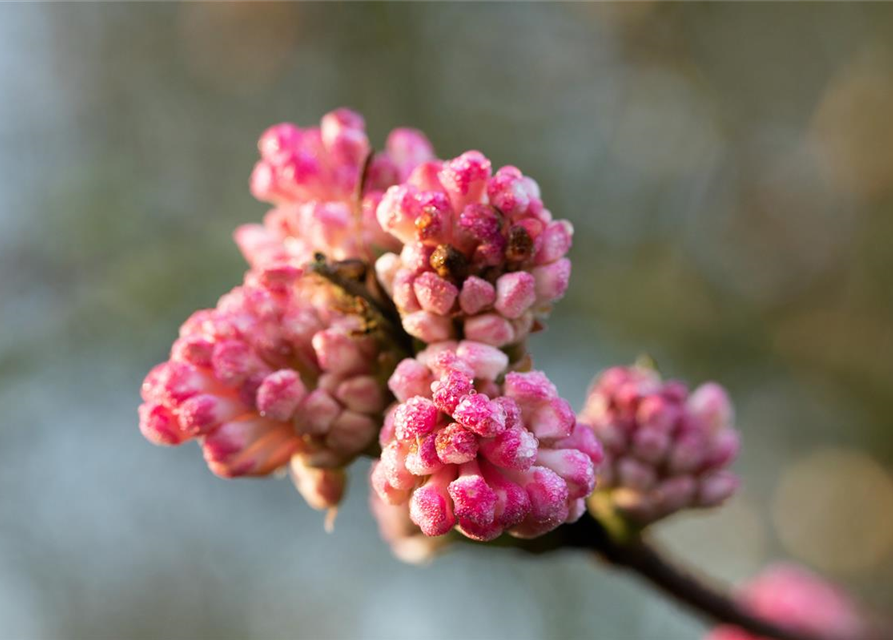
{"type": "Point", "coordinates": [481, 256]}
{"type": "Point", "coordinates": [795, 598]}
{"type": "Point", "coordinates": [312, 177]}
{"type": "Point", "coordinates": [473, 447]}
{"type": "Point", "coordinates": [665, 449]}
{"type": "Point", "coordinates": [274, 371]}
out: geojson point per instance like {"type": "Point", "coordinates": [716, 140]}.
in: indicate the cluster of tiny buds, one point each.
{"type": "Point", "coordinates": [481, 256]}
{"type": "Point", "coordinates": [475, 447]}
{"type": "Point", "coordinates": [271, 375]}
{"type": "Point", "coordinates": [665, 449]}
{"type": "Point", "coordinates": [281, 374]}
{"type": "Point", "coordinates": [313, 177]}
{"type": "Point", "coordinates": [797, 599]}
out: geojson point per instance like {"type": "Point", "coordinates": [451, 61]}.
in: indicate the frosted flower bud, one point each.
{"type": "Point", "coordinates": [551, 280]}
{"type": "Point", "coordinates": [479, 414]}
{"type": "Point", "coordinates": [549, 501]}
{"type": "Point", "coordinates": [338, 352]}
{"type": "Point", "coordinates": [403, 292]}
{"type": "Point", "coordinates": [515, 293]}
{"type": "Point", "coordinates": [510, 192]}
{"type": "Point", "coordinates": [486, 361]}
{"type": "Point", "coordinates": [393, 462]}
{"type": "Point", "coordinates": [199, 414]}
{"type": "Point", "coordinates": [456, 445]}
{"type": "Point", "coordinates": [514, 448]}
{"type": "Point", "coordinates": [317, 413]}
{"type": "Point", "coordinates": [667, 450]}
{"type": "Point", "coordinates": [415, 417]}
{"type": "Point", "coordinates": [425, 176]}
{"type": "Point", "coordinates": [476, 295]}
{"type": "Point", "coordinates": [556, 242]}
{"type": "Point", "coordinates": [350, 433]}
{"type": "Point", "coordinates": [397, 213]}
{"type": "Point", "coordinates": [383, 487]}
{"type": "Point", "coordinates": [427, 326]}
{"type": "Point", "coordinates": [574, 467]}
{"type": "Point", "coordinates": [532, 388]}
{"type": "Point", "coordinates": [321, 488]}
{"type": "Point", "coordinates": [554, 419]}
{"type": "Point", "coordinates": [344, 135]}
{"type": "Point", "coordinates": [450, 389]}
{"type": "Point", "coordinates": [473, 499]}
{"type": "Point", "coordinates": [422, 458]}
{"type": "Point", "coordinates": [431, 506]}
{"type": "Point", "coordinates": [416, 258]}
{"type": "Point", "coordinates": [280, 393]}
{"type": "Point", "coordinates": [491, 329]}
{"type": "Point", "coordinates": [434, 293]}
{"type": "Point", "coordinates": [408, 148]}
{"type": "Point", "coordinates": [160, 426]}
{"type": "Point", "coordinates": [465, 178]}
{"type": "Point", "coordinates": [362, 394]}
{"type": "Point", "coordinates": [194, 350]}
{"type": "Point", "coordinates": [410, 378]}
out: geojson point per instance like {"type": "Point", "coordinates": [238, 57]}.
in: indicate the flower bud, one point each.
{"type": "Point", "coordinates": [321, 488]}
{"type": "Point", "coordinates": [668, 450]}
{"type": "Point", "coordinates": [515, 293]}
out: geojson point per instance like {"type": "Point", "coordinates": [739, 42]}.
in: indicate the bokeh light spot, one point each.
{"type": "Point", "coordinates": [834, 509]}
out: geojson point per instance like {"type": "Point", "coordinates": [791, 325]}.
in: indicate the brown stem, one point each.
{"type": "Point", "coordinates": [383, 308]}
{"type": "Point", "coordinates": [636, 555]}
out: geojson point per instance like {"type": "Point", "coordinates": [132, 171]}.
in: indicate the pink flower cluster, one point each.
{"type": "Point", "coordinates": [281, 374]}
{"type": "Point", "coordinates": [665, 449]}
{"type": "Point", "coordinates": [481, 255]}
{"type": "Point", "coordinates": [272, 372]}
{"type": "Point", "coordinates": [462, 450]}
{"type": "Point", "coordinates": [795, 598]}
{"type": "Point", "coordinates": [313, 176]}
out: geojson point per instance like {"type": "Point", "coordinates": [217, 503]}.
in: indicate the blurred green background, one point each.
{"type": "Point", "coordinates": [729, 172]}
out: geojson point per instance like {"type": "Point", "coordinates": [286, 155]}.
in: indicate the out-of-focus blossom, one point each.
{"type": "Point", "coordinates": [312, 176]}
{"type": "Point", "coordinates": [464, 451]}
{"type": "Point", "coordinates": [665, 449]}
{"type": "Point", "coordinates": [481, 256]}
{"type": "Point", "coordinates": [274, 371]}
{"type": "Point", "coordinates": [792, 597]}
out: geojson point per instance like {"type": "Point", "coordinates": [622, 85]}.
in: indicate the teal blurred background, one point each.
{"type": "Point", "coordinates": [729, 172]}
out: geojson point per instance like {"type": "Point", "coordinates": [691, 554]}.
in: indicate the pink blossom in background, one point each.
{"type": "Point", "coordinates": [311, 175]}
{"type": "Point", "coordinates": [793, 597]}
{"type": "Point", "coordinates": [464, 451]}
{"type": "Point", "coordinates": [481, 256]}
{"type": "Point", "coordinates": [665, 449]}
{"type": "Point", "coordinates": [273, 371]}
